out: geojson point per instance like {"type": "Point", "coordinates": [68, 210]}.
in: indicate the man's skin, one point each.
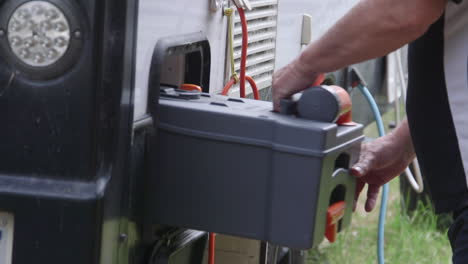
{"type": "Point", "coordinates": [373, 28]}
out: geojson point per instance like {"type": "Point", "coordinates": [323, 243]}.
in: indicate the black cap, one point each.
{"type": "Point", "coordinates": [319, 104]}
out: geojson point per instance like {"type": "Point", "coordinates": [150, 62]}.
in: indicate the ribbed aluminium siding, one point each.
{"type": "Point", "coordinates": [262, 26]}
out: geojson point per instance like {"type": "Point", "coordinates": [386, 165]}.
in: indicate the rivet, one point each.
{"type": "Point", "coordinates": [123, 237]}
{"type": "Point", "coordinates": [77, 34]}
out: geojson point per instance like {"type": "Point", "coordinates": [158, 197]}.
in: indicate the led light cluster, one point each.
{"type": "Point", "coordinates": [38, 33]}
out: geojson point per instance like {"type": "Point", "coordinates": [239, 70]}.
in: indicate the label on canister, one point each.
{"type": "Point", "coordinates": [6, 237]}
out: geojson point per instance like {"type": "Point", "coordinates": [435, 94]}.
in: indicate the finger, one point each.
{"type": "Point", "coordinates": [276, 105]}
{"type": "Point", "coordinates": [359, 186]}
{"type": "Point", "coordinates": [372, 194]}
{"type": "Point", "coordinates": [364, 165]}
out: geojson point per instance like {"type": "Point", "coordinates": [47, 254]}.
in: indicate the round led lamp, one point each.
{"type": "Point", "coordinates": [42, 38]}
{"type": "Point", "coordinates": [38, 33]}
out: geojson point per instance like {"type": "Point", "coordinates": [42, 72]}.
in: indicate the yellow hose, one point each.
{"type": "Point", "coordinates": [229, 13]}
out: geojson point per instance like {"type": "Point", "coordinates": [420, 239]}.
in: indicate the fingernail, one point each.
{"type": "Point", "coordinates": [357, 171]}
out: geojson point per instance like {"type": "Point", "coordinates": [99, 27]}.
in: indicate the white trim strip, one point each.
{"type": "Point", "coordinates": [6, 237]}
{"type": "Point", "coordinates": [456, 72]}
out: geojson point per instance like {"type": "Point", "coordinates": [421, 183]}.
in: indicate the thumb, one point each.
{"type": "Point", "coordinates": [358, 171]}
{"type": "Point", "coordinates": [364, 165]}
{"type": "Point", "coordinates": [361, 168]}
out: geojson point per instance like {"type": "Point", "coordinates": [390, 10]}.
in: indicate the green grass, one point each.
{"type": "Point", "coordinates": [415, 239]}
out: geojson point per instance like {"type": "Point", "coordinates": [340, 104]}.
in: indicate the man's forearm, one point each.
{"type": "Point", "coordinates": [371, 29]}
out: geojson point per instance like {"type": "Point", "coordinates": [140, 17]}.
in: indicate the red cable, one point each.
{"type": "Point", "coordinates": [251, 82]}
{"type": "Point", "coordinates": [254, 87]}
{"type": "Point", "coordinates": [243, 77]}
{"type": "Point", "coordinates": [228, 86]}
{"type": "Point", "coordinates": [245, 43]}
{"type": "Point", "coordinates": [320, 79]}
{"type": "Point", "coordinates": [211, 249]}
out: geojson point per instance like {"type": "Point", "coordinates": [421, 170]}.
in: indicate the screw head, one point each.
{"type": "Point", "coordinates": [123, 237]}
{"type": "Point", "coordinates": [77, 34]}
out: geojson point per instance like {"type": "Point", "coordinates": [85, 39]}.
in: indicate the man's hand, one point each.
{"type": "Point", "coordinates": [288, 81]}
{"type": "Point", "coordinates": [382, 160]}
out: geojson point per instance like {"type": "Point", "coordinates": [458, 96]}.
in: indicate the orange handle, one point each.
{"type": "Point", "coordinates": [190, 87]}
{"type": "Point", "coordinates": [334, 214]}
{"type": "Point", "coordinates": [345, 114]}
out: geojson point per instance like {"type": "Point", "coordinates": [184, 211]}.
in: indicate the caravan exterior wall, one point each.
{"type": "Point", "coordinates": [157, 19]}
{"type": "Point", "coordinates": [323, 14]}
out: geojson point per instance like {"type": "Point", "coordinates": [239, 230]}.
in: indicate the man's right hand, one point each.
{"type": "Point", "coordinates": [380, 161]}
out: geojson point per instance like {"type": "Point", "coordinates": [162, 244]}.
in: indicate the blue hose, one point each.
{"type": "Point", "coordinates": [383, 206]}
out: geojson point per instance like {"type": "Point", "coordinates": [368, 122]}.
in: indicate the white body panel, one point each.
{"type": "Point", "coordinates": [456, 71]}
{"type": "Point", "coordinates": [158, 19]}
{"type": "Point", "coordinates": [324, 14]}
